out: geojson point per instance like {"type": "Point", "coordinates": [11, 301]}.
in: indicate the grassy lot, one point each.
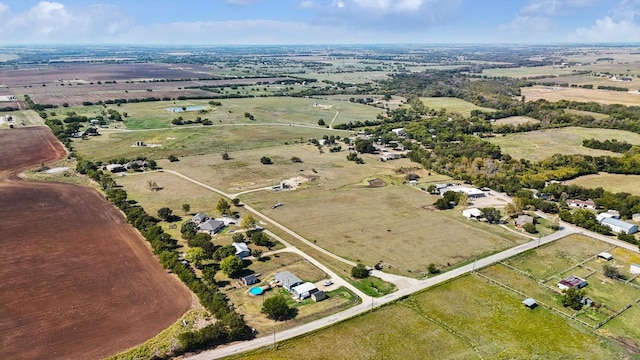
{"type": "Point", "coordinates": [374, 286]}
{"type": "Point", "coordinates": [524, 72]}
{"type": "Point", "coordinates": [554, 258]}
{"type": "Point", "coordinates": [577, 94]}
{"type": "Point", "coordinates": [22, 118]}
{"type": "Point", "coordinates": [194, 141]}
{"type": "Point", "coordinates": [611, 182]}
{"type": "Point", "coordinates": [463, 319]}
{"type": "Point", "coordinates": [595, 115]}
{"type": "Point", "coordinates": [452, 104]}
{"type": "Point", "coordinates": [538, 145]}
{"type": "Point", "coordinates": [515, 120]}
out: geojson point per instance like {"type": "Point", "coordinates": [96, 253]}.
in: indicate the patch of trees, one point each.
{"type": "Point", "coordinates": [276, 308]}
{"type": "Point", "coordinates": [613, 88]}
{"type": "Point", "coordinates": [585, 219]}
{"type": "Point", "coordinates": [265, 160]}
{"type": "Point", "coordinates": [352, 156]}
{"type": "Point", "coordinates": [572, 297]}
{"type": "Point", "coordinates": [610, 145]}
{"type": "Point", "coordinates": [448, 200]}
{"type": "Point", "coordinates": [360, 271]}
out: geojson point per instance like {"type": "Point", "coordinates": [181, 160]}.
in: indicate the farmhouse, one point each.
{"type": "Point", "coordinates": [472, 213]}
{"type": "Point", "coordinates": [582, 204]}
{"type": "Point", "coordinates": [523, 219]}
{"type": "Point", "coordinates": [250, 280]}
{"type": "Point", "coordinates": [304, 290]}
{"type": "Point", "coordinates": [287, 280]}
{"type": "Point", "coordinates": [242, 251]}
{"type": "Point", "coordinates": [211, 227]}
{"type": "Point", "coordinates": [199, 218]}
{"type": "Point", "coordinates": [115, 168]}
{"type": "Point", "coordinates": [620, 226]}
{"type": "Point", "coordinates": [572, 282]}
{"type": "Point", "coordinates": [634, 269]}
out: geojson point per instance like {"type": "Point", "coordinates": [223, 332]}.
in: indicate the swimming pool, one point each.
{"type": "Point", "coordinates": [256, 290]}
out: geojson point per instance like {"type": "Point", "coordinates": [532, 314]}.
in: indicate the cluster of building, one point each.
{"type": "Point", "coordinates": [610, 218]}
{"type": "Point", "coordinates": [298, 288]}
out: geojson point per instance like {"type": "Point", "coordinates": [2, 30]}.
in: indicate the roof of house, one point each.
{"type": "Point", "coordinates": [524, 219]}
{"type": "Point", "coordinates": [303, 288]}
{"type": "Point", "coordinates": [250, 279]}
{"type": "Point", "coordinates": [211, 225]}
{"type": "Point", "coordinates": [199, 217]}
{"type": "Point", "coordinates": [581, 202]}
{"type": "Point", "coordinates": [619, 223]}
{"type": "Point", "coordinates": [287, 279]}
{"type": "Point", "coordinates": [572, 281]}
{"type": "Point", "coordinates": [475, 212]}
{"type": "Point", "coordinates": [240, 247]}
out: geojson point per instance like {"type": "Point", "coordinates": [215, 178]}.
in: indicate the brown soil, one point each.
{"type": "Point", "coordinates": [78, 281]}
{"type": "Point", "coordinates": [377, 183]}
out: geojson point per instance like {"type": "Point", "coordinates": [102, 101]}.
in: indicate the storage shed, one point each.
{"type": "Point", "coordinates": [605, 256]}
{"type": "Point", "coordinates": [250, 280]}
{"type": "Point", "coordinates": [530, 303]}
{"type": "Point", "coordinates": [620, 226]}
{"type": "Point", "coordinates": [572, 282]}
{"type": "Point", "coordinates": [634, 269]}
{"type": "Point", "coordinates": [318, 296]}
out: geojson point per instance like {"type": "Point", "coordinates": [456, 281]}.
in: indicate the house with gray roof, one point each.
{"type": "Point", "coordinates": [199, 218]}
{"type": "Point", "coordinates": [288, 280]}
{"type": "Point", "coordinates": [619, 226]}
{"type": "Point", "coordinates": [211, 227]}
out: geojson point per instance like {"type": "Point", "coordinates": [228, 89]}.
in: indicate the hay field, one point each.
{"type": "Point", "coordinates": [452, 104]}
{"type": "Point", "coordinates": [610, 182]}
{"type": "Point", "coordinates": [194, 140]}
{"type": "Point", "coordinates": [576, 94]}
{"type": "Point", "coordinates": [465, 318]}
{"type": "Point", "coordinates": [515, 120]}
{"type": "Point", "coordinates": [595, 115]}
{"type": "Point", "coordinates": [525, 72]}
{"type": "Point", "coordinates": [539, 145]}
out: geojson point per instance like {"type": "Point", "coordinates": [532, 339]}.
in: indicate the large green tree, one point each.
{"type": "Point", "coordinates": [276, 308]}
{"type": "Point", "coordinates": [231, 265]}
{"type": "Point", "coordinates": [223, 206]}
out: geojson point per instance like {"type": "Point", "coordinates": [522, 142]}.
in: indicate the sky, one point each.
{"type": "Point", "coordinates": [257, 22]}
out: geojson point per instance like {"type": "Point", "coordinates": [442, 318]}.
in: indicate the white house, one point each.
{"type": "Point", "coordinates": [471, 213]}
{"type": "Point", "coordinates": [582, 204]}
{"type": "Point", "coordinates": [242, 250]}
{"type": "Point", "coordinates": [619, 226]}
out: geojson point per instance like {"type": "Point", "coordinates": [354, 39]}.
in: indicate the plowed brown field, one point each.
{"type": "Point", "coordinates": [76, 281]}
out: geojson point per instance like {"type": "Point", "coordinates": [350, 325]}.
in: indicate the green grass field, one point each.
{"type": "Point", "coordinates": [539, 145]}
{"type": "Point", "coordinates": [515, 120]}
{"type": "Point", "coordinates": [467, 318]}
{"type": "Point", "coordinates": [611, 182]}
{"type": "Point", "coordinates": [452, 104]}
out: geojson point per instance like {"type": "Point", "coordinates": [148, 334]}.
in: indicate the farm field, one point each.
{"type": "Point", "coordinates": [196, 140]}
{"type": "Point", "coordinates": [465, 318]}
{"type": "Point", "coordinates": [73, 292]}
{"type": "Point", "coordinates": [515, 120]}
{"type": "Point", "coordinates": [526, 72]}
{"type": "Point", "coordinates": [22, 118]}
{"type": "Point", "coordinates": [539, 145]}
{"type": "Point", "coordinates": [453, 104]}
{"type": "Point", "coordinates": [553, 94]}
{"type": "Point", "coordinates": [611, 182]}
{"type": "Point", "coordinates": [595, 115]}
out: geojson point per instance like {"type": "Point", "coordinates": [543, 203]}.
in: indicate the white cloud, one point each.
{"type": "Point", "coordinates": [48, 22]}
{"type": "Point", "coordinates": [553, 7]}
{"type": "Point", "coordinates": [4, 9]}
{"type": "Point", "coordinates": [620, 25]}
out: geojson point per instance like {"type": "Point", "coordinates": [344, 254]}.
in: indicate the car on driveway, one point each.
{"type": "Point", "coordinates": [327, 283]}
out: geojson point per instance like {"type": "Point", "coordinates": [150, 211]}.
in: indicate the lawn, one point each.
{"type": "Point", "coordinates": [462, 319]}
{"type": "Point", "coordinates": [534, 93]}
{"type": "Point", "coordinates": [610, 182]}
{"type": "Point", "coordinates": [453, 104]}
{"type": "Point", "coordinates": [539, 145]}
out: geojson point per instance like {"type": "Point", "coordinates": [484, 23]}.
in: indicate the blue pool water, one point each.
{"type": "Point", "coordinates": [256, 291]}
{"type": "Point", "coordinates": [189, 108]}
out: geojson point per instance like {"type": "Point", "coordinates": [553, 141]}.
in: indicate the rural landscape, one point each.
{"type": "Point", "coordinates": [326, 201]}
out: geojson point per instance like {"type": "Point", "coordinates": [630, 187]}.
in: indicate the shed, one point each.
{"type": "Point", "coordinates": [635, 217]}
{"type": "Point", "coordinates": [318, 296]}
{"type": "Point", "coordinates": [287, 280]}
{"type": "Point", "coordinates": [304, 290]}
{"type": "Point", "coordinates": [471, 213]}
{"type": "Point", "coordinates": [572, 282]}
{"type": "Point", "coordinates": [242, 250]}
{"type": "Point", "coordinates": [634, 269]}
{"type": "Point", "coordinates": [530, 303]}
{"type": "Point", "coordinates": [605, 255]}
{"type": "Point", "coordinates": [250, 280]}
{"type": "Point", "coordinates": [620, 226]}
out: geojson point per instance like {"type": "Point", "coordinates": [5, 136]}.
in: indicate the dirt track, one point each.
{"type": "Point", "coordinates": [78, 282]}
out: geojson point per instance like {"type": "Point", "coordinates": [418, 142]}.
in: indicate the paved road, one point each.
{"type": "Point", "coordinates": [223, 124]}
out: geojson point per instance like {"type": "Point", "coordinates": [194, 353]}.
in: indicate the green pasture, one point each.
{"type": "Point", "coordinates": [515, 120]}
{"type": "Point", "coordinates": [610, 182]}
{"type": "Point", "coordinates": [463, 319]}
{"type": "Point", "coordinates": [196, 140]}
{"type": "Point", "coordinates": [539, 145]}
{"type": "Point", "coordinates": [452, 104]}
{"type": "Point", "coordinates": [595, 115]}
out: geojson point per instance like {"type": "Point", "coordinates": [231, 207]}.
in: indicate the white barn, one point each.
{"type": "Point", "coordinates": [619, 226]}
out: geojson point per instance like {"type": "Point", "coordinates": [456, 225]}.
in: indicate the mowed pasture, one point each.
{"type": "Point", "coordinates": [462, 319]}
{"type": "Point", "coordinates": [452, 104]}
{"type": "Point", "coordinates": [610, 182]}
{"type": "Point", "coordinates": [79, 281]}
{"type": "Point", "coordinates": [539, 145]}
{"type": "Point", "coordinates": [515, 120]}
{"type": "Point", "coordinates": [195, 140]}
{"type": "Point", "coordinates": [22, 118]}
{"type": "Point", "coordinates": [553, 94]}
{"type": "Point", "coordinates": [526, 72]}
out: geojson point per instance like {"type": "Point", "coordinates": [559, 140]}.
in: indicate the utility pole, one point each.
{"type": "Point", "coordinates": [274, 338]}
{"type": "Point", "coordinates": [474, 264]}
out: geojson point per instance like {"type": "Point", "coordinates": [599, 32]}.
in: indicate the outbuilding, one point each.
{"type": "Point", "coordinates": [472, 213]}
{"type": "Point", "coordinates": [619, 226]}
{"type": "Point", "coordinates": [605, 256]}
{"type": "Point", "coordinates": [304, 290]}
{"type": "Point", "coordinates": [634, 269]}
{"type": "Point", "coordinates": [242, 250]}
{"type": "Point", "coordinates": [530, 303]}
{"type": "Point", "coordinates": [318, 296]}
{"type": "Point", "coordinates": [572, 282]}
{"type": "Point", "coordinates": [250, 280]}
